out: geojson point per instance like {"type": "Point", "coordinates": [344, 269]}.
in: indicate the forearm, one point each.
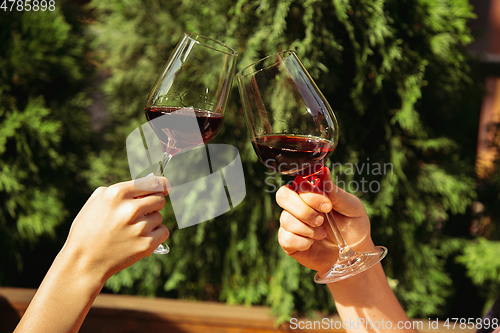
{"type": "Point", "coordinates": [64, 298]}
{"type": "Point", "coordinates": [118, 226]}
{"type": "Point", "coordinates": [367, 299]}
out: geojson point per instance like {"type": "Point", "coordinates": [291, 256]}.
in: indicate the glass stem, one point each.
{"type": "Point", "coordinates": [163, 248]}
{"type": "Point", "coordinates": [162, 165]}
{"type": "Point", "coordinates": [345, 251]}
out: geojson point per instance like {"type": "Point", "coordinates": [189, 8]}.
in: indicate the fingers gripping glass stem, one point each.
{"type": "Point", "coordinates": [349, 262]}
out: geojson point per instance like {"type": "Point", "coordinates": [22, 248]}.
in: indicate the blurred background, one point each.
{"type": "Point", "coordinates": [413, 84]}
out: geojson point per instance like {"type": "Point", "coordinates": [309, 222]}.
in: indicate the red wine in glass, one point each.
{"type": "Point", "coordinates": [174, 130]}
{"type": "Point", "coordinates": [294, 155]}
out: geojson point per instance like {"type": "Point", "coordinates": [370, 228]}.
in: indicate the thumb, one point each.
{"type": "Point", "coordinates": [344, 203]}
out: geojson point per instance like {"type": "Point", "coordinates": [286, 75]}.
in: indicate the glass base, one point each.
{"type": "Point", "coordinates": [350, 266]}
{"type": "Point", "coordinates": [162, 249]}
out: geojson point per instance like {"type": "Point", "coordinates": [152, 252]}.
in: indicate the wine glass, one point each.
{"type": "Point", "coordinates": [293, 130]}
{"type": "Point", "coordinates": [185, 107]}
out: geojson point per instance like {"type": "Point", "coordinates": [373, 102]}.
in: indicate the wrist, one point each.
{"type": "Point", "coordinates": [371, 283]}
{"type": "Point", "coordinates": [74, 263]}
{"type": "Point", "coordinates": [69, 288]}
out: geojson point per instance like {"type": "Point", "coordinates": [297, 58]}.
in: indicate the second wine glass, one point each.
{"type": "Point", "coordinates": [293, 130]}
{"type": "Point", "coordinates": [185, 107]}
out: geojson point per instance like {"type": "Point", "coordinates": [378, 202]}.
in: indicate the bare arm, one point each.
{"type": "Point", "coordinates": [368, 298]}
{"type": "Point", "coordinates": [363, 298]}
{"type": "Point", "coordinates": [117, 227]}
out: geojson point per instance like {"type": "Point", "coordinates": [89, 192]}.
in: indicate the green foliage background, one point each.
{"type": "Point", "coordinates": [44, 136]}
{"type": "Point", "coordinates": [395, 72]}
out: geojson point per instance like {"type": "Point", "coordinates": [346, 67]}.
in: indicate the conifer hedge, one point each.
{"type": "Point", "coordinates": [407, 101]}
{"type": "Point", "coordinates": [45, 137]}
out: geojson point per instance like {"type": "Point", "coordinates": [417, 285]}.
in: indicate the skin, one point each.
{"type": "Point", "coordinates": [305, 236]}
{"type": "Point", "coordinates": [122, 220]}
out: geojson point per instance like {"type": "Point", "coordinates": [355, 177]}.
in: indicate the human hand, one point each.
{"type": "Point", "coordinates": [304, 232]}
{"type": "Point", "coordinates": [118, 226]}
